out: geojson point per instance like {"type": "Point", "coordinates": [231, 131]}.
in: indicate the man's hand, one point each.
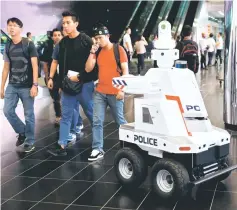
{"type": "Point", "coordinates": [94, 48]}
{"type": "Point", "coordinates": [120, 95]}
{"type": "Point", "coordinates": [34, 91]}
{"type": "Point", "coordinates": [50, 84]}
{"type": "Point", "coordinates": [74, 79]}
{"type": "Point", "coordinates": [2, 93]}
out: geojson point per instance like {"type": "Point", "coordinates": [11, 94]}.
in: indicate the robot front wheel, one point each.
{"type": "Point", "coordinates": [130, 168]}
{"type": "Point", "coordinates": [169, 179]}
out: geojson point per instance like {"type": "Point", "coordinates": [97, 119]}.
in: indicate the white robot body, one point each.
{"type": "Point", "coordinates": [171, 127]}
{"type": "Point", "coordinates": [171, 111]}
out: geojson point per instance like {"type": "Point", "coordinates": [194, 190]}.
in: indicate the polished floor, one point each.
{"type": "Point", "coordinates": [39, 181]}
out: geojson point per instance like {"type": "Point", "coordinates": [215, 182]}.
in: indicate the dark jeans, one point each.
{"type": "Point", "coordinates": [140, 62]}
{"type": "Point", "coordinates": [12, 96]}
{"type": "Point", "coordinates": [54, 93]}
{"type": "Point", "coordinates": [210, 56]}
{"type": "Point", "coordinates": [129, 58]}
{"type": "Point", "coordinates": [218, 54]}
{"type": "Point", "coordinates": [203, 60]}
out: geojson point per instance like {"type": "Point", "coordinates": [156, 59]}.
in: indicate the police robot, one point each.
{"type": "Point", "coordinates": [171, 133]}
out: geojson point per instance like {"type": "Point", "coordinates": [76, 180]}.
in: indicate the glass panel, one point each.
{"type": "Point", "coordinates": [146, 115]}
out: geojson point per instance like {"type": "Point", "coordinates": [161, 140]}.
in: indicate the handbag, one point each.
{"type": "Point", "coordinates": [68, 86]}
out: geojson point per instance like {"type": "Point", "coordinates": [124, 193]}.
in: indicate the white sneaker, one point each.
{"type": "Point", "coordinates": [72, 137]}
{"type": "Point", "coordinates": [79, 128]}
{"type": "Point", "coordinates": [95, 155]}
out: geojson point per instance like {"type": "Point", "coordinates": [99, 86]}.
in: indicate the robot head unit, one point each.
{"type": "Point", "coordinates": [165, 54]}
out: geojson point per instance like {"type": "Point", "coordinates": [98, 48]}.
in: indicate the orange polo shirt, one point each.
{"type": "Point", "coordinates": [108, 70]}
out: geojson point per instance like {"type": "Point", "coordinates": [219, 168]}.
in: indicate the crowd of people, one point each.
{"type": "Point", "coordinates": [78, 72]}
{"type": "Point", "coordinates": [72, 64]}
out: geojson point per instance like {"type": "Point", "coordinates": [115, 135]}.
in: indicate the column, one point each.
{"type": "Point", "coordinates": [230, 65]}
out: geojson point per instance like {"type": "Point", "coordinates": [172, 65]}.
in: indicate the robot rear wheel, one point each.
{"type": "Point", "coordinates": [169, 179]}
{"type": "Point", "coordinates": [130, 167]}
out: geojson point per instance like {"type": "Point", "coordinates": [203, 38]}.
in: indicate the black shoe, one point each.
{"type": "Point", "coordinates": [26, 148]}
{"type": "Point", "coordinates": [21, 139]}
{"type": "Point", "coordinates": [57, 151]}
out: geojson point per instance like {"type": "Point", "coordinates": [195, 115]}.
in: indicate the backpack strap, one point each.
{"type": "Point", "coordinates": [7, 47]}
{"type": "Point", "coordinates": [117, 57]}
{"type": "Point", "coordinates": [25, 47]}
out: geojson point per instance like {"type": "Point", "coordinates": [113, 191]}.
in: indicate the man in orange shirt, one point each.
{"type": "Point", "coordinates": [105, 94]}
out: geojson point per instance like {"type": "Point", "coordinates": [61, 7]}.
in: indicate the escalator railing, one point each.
{"type": "Point", "coordinates": [4, 39]}
{"type": "Point", "coordinates": [131, 18]}
{"type": "Point", "coordinates": [165, 9]}
{"type": "Point", "coordinates": [144, 20]}
{"type": "Point", "coordinates": [149, 29]}
{"type": "Point", "coordinates": [180, 18]}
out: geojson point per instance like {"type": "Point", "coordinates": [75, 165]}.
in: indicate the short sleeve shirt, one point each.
{"type": "Point", "coordinates": [21, 73]}
{"type": "Point", "coordinates": [108, 69]}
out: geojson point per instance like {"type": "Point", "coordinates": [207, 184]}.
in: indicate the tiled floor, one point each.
{"type": "Point", "coordinates": [39, 181]}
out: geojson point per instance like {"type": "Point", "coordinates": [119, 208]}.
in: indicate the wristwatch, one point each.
{"type": "Point", "coordinates": [35, 84]}
{"type": "Point", "coordinates": [50, 78]}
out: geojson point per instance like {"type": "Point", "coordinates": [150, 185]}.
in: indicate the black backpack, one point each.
{"type": "Point", "coordinates": [189, 52]}
{"type": "Point", "coordinates": [25, 48]}
{"type": "Point", "coordinates": [116, 55]}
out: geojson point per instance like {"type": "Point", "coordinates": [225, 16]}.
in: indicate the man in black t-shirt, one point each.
{"type": "Point", "coordinates": [73, 51]}
{"type": "Point", "coordinates": [20, 62]}
{"type": "Point", "coordinates": [47, 59]}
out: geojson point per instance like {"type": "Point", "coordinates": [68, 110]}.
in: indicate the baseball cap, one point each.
{"type": "Point", "coordinates": [101, 30]}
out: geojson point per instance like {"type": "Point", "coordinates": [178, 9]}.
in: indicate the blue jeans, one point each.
{"type": "Point", "coordinates": [76, 118]}
{"type": "Point", "coordinates": [69, 104]}
{"type": "Point", "coordinates": [12, 96]}
{"type": "Point", "coordinates": [101, 101]}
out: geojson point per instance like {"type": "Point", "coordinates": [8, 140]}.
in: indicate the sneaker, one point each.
{"type": "Point", "coordinates": [79, 128]}
{"type": "Point", "coordinates": [57, 151]}
{"type": "Point", "coordinates": [21, 139]}
{"type": "Point", "coordinates": [96, 155]}
{"type": "Point", "coordinates": [26, 148]}
{"type": "Point", "coordinates": [72, 137]}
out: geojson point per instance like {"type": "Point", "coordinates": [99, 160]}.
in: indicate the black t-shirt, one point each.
{"type": "Point", "coordinates": [77, 51]}
{"type": "Point", "coordinates": [21, 73]}
{"type": "Point", "coordinates": [47, 53]}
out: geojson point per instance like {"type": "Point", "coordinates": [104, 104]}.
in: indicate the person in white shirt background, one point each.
{"type": "Point", "coordinates": [127, 43]}
{"type": "Point", "coordinates": [203, 51]}
{"type": "Point", "coordinates": [141, 51]}
{"type": "Point", "coordinates": [211, 45]}
{"type": "Point", "coordinates": [219, 47]}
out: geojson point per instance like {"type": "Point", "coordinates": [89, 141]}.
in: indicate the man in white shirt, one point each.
{"type": "Point", "coordinates": [219, 47]}
{"type": "Point", "coordinates": [203, 51]}
{"type": "Point", "coordinates": [127, 43]}
{"type": "Point", "coordinates": [211, 45]}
